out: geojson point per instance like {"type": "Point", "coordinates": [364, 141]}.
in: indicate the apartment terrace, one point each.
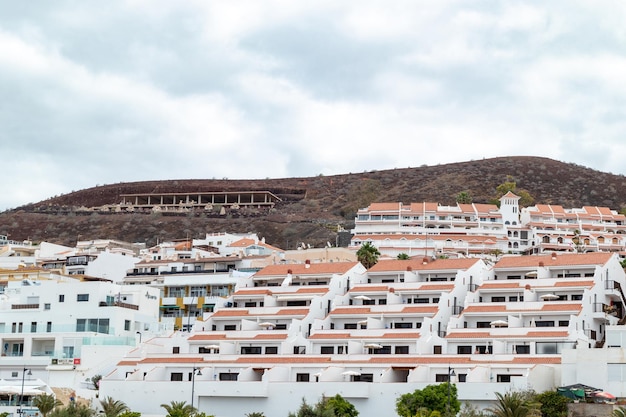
{"type": "Point", "coordinates": [199, 200]}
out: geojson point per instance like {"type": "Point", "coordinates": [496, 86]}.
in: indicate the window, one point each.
{"type": "Point", "coordinates": [462, 377]}
{"type": "Point", "coordinates": [49, 327]}
{"type": "Point", "coordinates": [251, 350]}
{"type": "Point", "coordinates": [544, 323]}
{"type": "Point", "coordinates": [230, 327]}
{"type": "Point", "coordinates": [513, 299]}
{"type": "Point", "coordinates": [401, 350]}
{"type": "Point", "coordinates": [46, 306]}
{"type": "Point", "coordinates": [327, 350]}
{"type": "Point", "coordinates": [127, 325]}
{"type": "Point", "coordinates": [228, 376]}
{"type": "Point", "coordinates": [302, 377]}
{"type": "Point", "coordinates": [33, 327]}
{"type": "Point", "coordinates": [349, 326]}
{"type": "Point", "coordinates": [403, 325]}
{"type": "Point", "coordinates": [250, 304]}
{"type": "Point", "coordinates": [364, 378]}
{"type": "Point", "coordinates": [498, 299]}
{"type": "Point", "coordinates": [82, 297]}
{"type": "Point", "coordinates": [563, 323]}
{"type": "Point", "coordinates": [176, 376]}
{"type": "Point", "coordinates": [483, 325]}
{"type": "Point", "coordinates": [577, 297]}
{"type": "Point", "coordinates": [522, 349]}
{"type": "Point", "coordinates": [442, 377]}
{"type": "Point", "coordinates": [176, 349]}
{"type": "Point", "coordinates": [464, 350]}
{"type": "Point", "coordinates": [61, 298]}
{"type": "Point", "coordinates": [271, 350]}
{"type": "Point", "coordinates": [81, 325]}
{"type": "Point", "coordinates": [437, 349]}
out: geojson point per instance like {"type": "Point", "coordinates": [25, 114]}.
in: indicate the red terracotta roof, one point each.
{"type": "Point", "coordinates": [420, 264]}
{"type": "Point", "coordinates": [561, 259]}
{"type": "Point", "coordinates": [326, 268]}
{"type": "Point", "coordinates": [351, 310]}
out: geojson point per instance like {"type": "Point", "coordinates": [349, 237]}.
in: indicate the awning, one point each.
{"type": "Point", "coordinates": [170, 307]}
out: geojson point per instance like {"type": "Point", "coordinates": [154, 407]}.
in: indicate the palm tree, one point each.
{"type": "Point", "coordinates": [619, 412]}
{"type": "Point", "coordinates": [46, 403]}
{"type": "Point", "coordinates": [179, 409]}
{"type": "Point", "coordinates": [511, 404]}
{"type": "Point", "coordinates": [112, 408]}
{"type": "Point", "coordinates": [368, 255]}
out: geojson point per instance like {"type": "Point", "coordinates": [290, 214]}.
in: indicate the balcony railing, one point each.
{"type": "Point", "coordinates": [24, 306]}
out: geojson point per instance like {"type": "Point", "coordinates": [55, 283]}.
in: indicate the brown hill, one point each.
{"type": "Point", "coordinates": [313, 208]}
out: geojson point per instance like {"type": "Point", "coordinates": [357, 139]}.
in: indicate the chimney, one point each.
{"type": "Point", "coordinates": [307, 263]}
{"type": "Point", "coordinates": [424, 261]}
{"type": "Point", "coordinates": [409, 268]}
{"type": "Point", "coordinates": [553, 256]}
{"type": "Point", "coordinates": [541, 264]}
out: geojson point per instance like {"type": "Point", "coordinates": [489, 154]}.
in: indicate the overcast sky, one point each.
{"type": "Point", "coordinates": [101, 92]}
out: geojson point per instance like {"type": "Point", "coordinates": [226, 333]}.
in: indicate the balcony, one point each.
{"type": "Point", "coordinates": [119, 304]}
{"type": "Point", "coordinates": [24, 306]}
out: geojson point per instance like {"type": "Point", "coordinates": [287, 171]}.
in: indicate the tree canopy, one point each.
{"type": "Point", "coordinates": [336, 406]}
{"type": "Point", "coordinates": [432, 398]}
{"type": "Point", "coordinates": [368, 255]}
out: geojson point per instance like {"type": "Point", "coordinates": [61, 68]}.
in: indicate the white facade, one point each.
{"type": "Point", "coordinates": [302, 331]}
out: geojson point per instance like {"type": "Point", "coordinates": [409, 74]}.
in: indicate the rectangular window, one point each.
{"type": "Point", "coordinates": [522, 349]}
{"type": "Point", "coordinates": [442, 377]}
{"type": "Point", "coordinates": [513, 299]}
{"type": "Point", "coordinates": [176, 376]}
{"type": "Point", "coordinates": [437, 350]}
{"type": "Point", "coordinates": [544, 323]}
{"type": "Point", "coordinates": [498, 299]}
{"type": "Point", "coordinates": [46, 306]}
{"type": "Point", "coordinates": [271, 350]}
{"type": "Point", "coordinates": [33, 327]}
{"type": "Point", "coordinates": [401, 350]}
{"type": "Point", "coordinates": [302, 377]}
{"type": "Point", "coordinates": [250, 304]}
{"type": "Point", "coordinates": [349, 326]}
{"type": "Point", "coordinates": [483, 325]}
{"type": "Point", "coordinates": [230, 327]}
{"type": "Point", "coordinates": [61, 298]}
{"type": "Point", "coordinates": [251, 350]}
{"type": "Point", "coordinates": [403, 325]}
{"type": "Point", "coordinates": [127, 325]}
{"type": "Point", "coordinates": [49, 326]}
{"type": "Point", "coordinates": [227, 376]}
{"type": "Point", "coordinates": [364, 378]}
{"type": "Point", "coordinates": [327, 350]}
{"type": "Point", "coordinates": [462, 377]}
{"type": "Point", "coordinates": [464, 350]}
{"type": "Point", "coordinates": [81, 325]}
{"type": "Point", "coordinates": [82, 297]}
{"type": "Point", "coordinates": [577, 297]}
{"type": "Point", "coordinates": [176, 350]}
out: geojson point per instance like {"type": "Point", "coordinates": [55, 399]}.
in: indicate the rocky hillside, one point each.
{"type": "Point", "coordinates": [312, 209]}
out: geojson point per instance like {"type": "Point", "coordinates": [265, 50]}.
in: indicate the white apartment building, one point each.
{"type": "Point", "coordinates": [429, 229]}
{"type": "Point", "coordinates": [302, 331]}
{"type": "Point", "coordinates": [65, 330]}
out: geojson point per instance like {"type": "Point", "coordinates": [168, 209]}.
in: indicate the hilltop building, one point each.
{"type": "Point", "coordinates": [430, 229]}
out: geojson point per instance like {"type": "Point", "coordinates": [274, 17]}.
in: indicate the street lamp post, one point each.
{"type": "Point", "coordinates": [193, 382]}
{"type": "Point", "coordinates": [20, 411]}
{"type": "Point", "coordinates": [450, 375]}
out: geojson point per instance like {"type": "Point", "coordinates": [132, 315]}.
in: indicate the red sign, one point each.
{"type": "Point", "coordinates": [76, 361]}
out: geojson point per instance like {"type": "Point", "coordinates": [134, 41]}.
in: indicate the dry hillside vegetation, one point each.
{"type": "Point", "coordinates": [313, 208]}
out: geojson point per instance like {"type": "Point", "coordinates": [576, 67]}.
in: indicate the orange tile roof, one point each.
{"type": "Point", "coordinates": [290, 312]}
{"type": "Point", "coordinates": [417, 264]}
{"type": "Point", "coordinates": [283, 359]}
{"type": "Point", "coordinates": [270, 336]}
{"type": "Point", "coordinates": [252, 291]}
{"type": "Point", "coordinates": [561, 259]}
{"type": "Point", "coordinates": [484, 308]}
{"type": "Point", "coordinates": [211, 336]}
{"type": "Point", "coordinates": [420, 310]}
{"type": "Point", "coordinates": [385, 207]}
{"type": "Point", "coordinates": [317, 289]}
{"type": "Point", "coordinates": [556, 306]}
{"type": "Point", "coordinates": [574, 283]}
{"type": "Point", "coordinates": [229, 312]}
{"type": "Point", "coordinates": [330, 336]}
{"type": "Point", "coordinates": [173, 359]}
{"type": "Point", "coordinates": [501, 284]}
{"type": "Point", "coordinates": [326, 268]}
{"type": "Point", "coordinates": [400, 335]}
{"type": "Point", "coordinates": [351, 310]}
{"type": "Point", "coordinates": [370, 288]}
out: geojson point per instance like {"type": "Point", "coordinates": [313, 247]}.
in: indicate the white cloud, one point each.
{"type": "Point", "coordinates": [248, 89]}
